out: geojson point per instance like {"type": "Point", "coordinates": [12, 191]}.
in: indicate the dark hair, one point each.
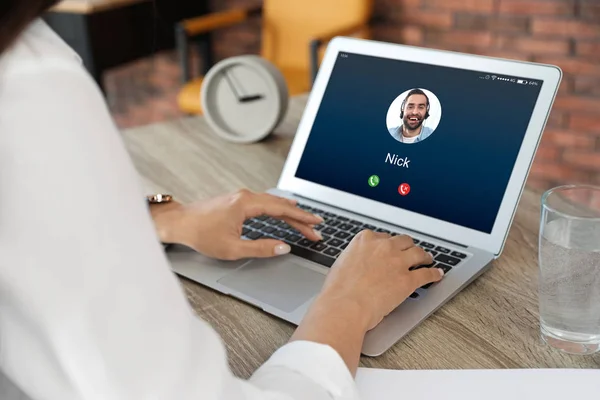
{"type": "Point", "coordinates": [415, 91]}
{"type": "Point", "coordinates": [15, 15]}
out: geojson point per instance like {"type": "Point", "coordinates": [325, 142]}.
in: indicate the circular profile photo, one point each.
{"type": "Point", "coordinates": [414, 116]}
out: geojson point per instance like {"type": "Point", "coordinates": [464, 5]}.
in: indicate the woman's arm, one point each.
{"type": "Point", "coordinates": [90, 308]}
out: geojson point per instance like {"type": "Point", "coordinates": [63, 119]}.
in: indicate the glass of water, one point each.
{"type": "Point", "coordinates": [569, 274]}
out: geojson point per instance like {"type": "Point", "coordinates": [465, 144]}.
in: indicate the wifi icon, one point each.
{"type": "Point", "coordinates": [493, 77]}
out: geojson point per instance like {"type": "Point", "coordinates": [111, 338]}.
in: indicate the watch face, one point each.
{"type": "Point", "coordinates": [242, 99]}
{"type": "Point", "coordinates": [159, 198]}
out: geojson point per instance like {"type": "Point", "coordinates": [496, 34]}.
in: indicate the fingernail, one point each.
{"type": "Point", "coordinates": [319, 217]}
{"type": "Point", "coordinates": [281, 249]}
{"type": "Point", "coordinates": [441, 272]}
{"type": "Point", "coordinates": [318, 234]}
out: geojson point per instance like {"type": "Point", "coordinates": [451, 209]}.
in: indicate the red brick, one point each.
{"type": "Point", "coordinates": [387, 32]}
{"type": "Point", "coordinates": [460, 38]}
{"type": "Point", "coordinates": [566, 86]}
{"type": "Point", "coordinates": [461, 5]}
{"type": "Point", "coordinates": [588, 49]}
{"type": "Point", "coordinates": [505, 54]}
{"type": "Point", "coordinates": [476, 22]}
{"type": "Point", "coordinates": [546, 152]}
{"type": "Point", "coordinates": [552, 170]}
{"type": "Point", "coordinates": [557, 119]}
{"type": "Point", "coordinates": [587, 86]}
{"type": "Point", "coordinates": [585, 122]}
{"type": "Point", "coordinates": [534, 46]}
{"type": "Point", "coordinates": [570, 139]}
{"type": "Point", "coordinates": [541, 185]}
{"type": "Point", "coordinates": [437, 19]}
{"type": "Point", "coordinates": [411, 35]}
{"type": "Point", "coordinates": [565, 27]}
{"type": "Point", "coordinates": [539, 7]}
{"type": "Point", "coordinates": [577, 104]}
{"type": "Point", "coordinates": [590, 9]}
{"type": "Point", "coordinates": [511, 24]}
{"type": "Point", "coordinates": [585, 160]}
{"type": "Point", "coordinates": [490, 22]}
{"type": "Point", "coordinates": [574, 66]}
{"type": "Point", "coordinates": [385, 7]}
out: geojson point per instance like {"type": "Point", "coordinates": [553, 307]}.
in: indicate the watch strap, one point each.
{"type": "Point", "coordinates": [160, 198]}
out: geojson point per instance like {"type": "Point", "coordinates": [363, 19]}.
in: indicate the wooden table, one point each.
{"type": "Point", "coordinates": [493, 323]}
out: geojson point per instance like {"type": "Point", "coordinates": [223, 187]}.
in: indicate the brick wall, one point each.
{"type": "Point", "coordinates": [561, 32]}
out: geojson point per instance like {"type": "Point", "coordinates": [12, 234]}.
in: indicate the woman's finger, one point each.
{"type": "Point", "coordinates": [277, 208]}
{"type": "Point", "coordinates": [376, 235]}
{"type": "Point", "coordinates": [367, 235]}
{"type": "Point", "coordinates": [304, 229]}
{"type": "Point", "coordinates": [260, 248]}
{"type": "Point", "coordinates": [283, 200]}
{"type": "Point", "coordinates": [424, 276]}
{"type": "Point", "coordinates": [415, 257]}
{"type": "Point", "coordinates": [402, 242]}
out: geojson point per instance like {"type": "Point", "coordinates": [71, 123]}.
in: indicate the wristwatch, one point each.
{"type": "Point", "coordinates": [160, 198]}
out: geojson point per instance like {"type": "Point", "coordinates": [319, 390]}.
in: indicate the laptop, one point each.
{"type": "Point", "coordinates": [398, 139]}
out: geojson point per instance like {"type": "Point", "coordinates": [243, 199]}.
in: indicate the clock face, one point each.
{"type": "Point", "coordinates": [242, 100]}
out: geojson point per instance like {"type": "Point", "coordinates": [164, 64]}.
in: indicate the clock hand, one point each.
{"type": "Point", "coordinates": [248, 99]}
{"type": "Point", "coordinates": [231, 85]}
{"type": "Point", "coordinates": [241, 99]}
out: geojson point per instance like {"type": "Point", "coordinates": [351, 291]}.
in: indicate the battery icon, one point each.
{"type": "Point", "coordinates": [522, 82]}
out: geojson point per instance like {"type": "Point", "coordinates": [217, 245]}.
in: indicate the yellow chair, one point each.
{"type": "Point", "coordinates": [293, 35]}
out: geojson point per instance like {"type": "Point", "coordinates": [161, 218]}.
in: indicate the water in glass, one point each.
{"type": "Point", "coordinates": [569, 279]}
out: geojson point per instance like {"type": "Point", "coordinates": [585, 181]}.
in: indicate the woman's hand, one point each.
{"type": "Point", "coordinates": [214, 227]}
{"type": "Point", "coordinates": [368, 281]}
{"type": "Point", "coordinates": [376, 272]}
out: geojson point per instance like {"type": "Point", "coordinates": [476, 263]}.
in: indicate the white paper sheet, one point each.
{"type": "Point", "coordinates": [525, 384]}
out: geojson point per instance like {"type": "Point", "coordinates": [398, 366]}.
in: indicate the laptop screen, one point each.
{"type": "Point", "coordinates": [437, 141]}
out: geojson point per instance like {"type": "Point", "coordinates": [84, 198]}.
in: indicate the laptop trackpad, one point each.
{"type": "Point", "coordinates": [283, 283]}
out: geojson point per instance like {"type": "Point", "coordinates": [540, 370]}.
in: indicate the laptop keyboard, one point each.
{"type": "Point", "coordinates": [338, 232]}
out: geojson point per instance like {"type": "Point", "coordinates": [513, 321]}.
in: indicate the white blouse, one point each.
{"type": "Point", "coordinates": [89, 308]}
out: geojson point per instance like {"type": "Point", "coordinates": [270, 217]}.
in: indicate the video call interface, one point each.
{"type": "Point", "coordinates": [437, 141]}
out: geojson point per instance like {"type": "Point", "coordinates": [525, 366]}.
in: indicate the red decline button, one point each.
{"type": "Point", "coordinates": [404, 189]}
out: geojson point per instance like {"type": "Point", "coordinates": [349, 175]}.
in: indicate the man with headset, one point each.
{"type": "Point", "coordinates": [414, 111]}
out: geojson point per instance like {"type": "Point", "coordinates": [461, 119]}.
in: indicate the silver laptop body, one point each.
{"type": "Point", "coordinates": [285, 286]}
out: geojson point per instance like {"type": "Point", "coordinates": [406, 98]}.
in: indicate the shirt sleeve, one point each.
{"type": "Point", "coordinates": [89, 308]}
